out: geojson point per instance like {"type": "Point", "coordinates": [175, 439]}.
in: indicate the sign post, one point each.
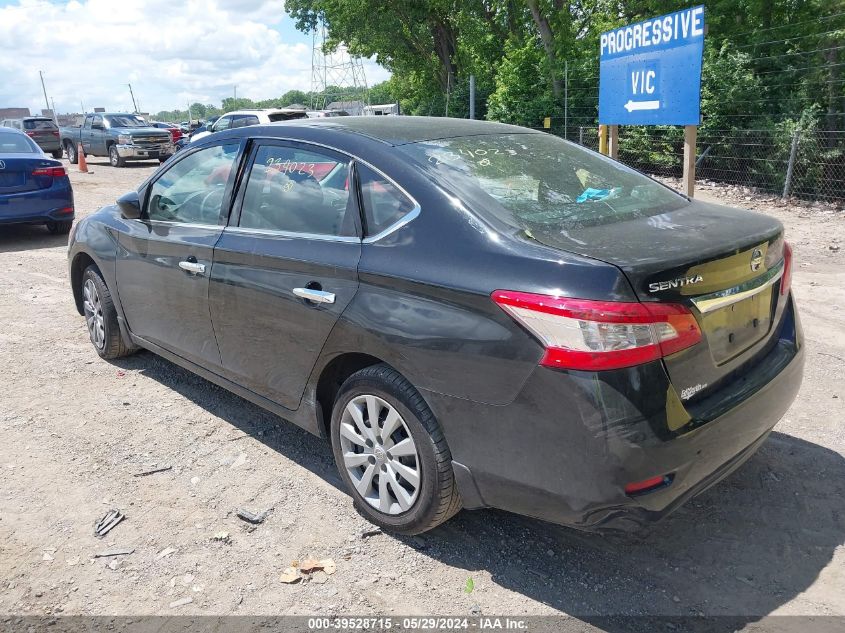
{"type": "Point", "coordinates": [650, 74]}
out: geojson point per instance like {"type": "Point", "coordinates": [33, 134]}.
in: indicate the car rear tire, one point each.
{"type": "Point", "coordinates": [70, 148]}
{"type": "Point", "coordinates": [57, 153]}
{"type": "Point", "coordinates": [114, 157]}
{"type": "Point", "coordinates": [391, 453]}
{"type": "Point", "coordinates": [59, 227]}
{"type": "Point", "coordinates": [101, 317]}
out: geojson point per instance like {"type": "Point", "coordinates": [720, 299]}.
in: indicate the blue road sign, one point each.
{"type": "Point", "coordinates": [650, 72]}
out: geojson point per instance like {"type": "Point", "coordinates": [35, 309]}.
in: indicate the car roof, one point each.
{"type": "Point", "coordinates": [400, 130]}
{"type": "Point", "coordinates": [263, 111]}
{"type": "Point", "coordinates": [13, 131]}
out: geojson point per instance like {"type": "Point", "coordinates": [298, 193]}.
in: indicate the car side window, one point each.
{"type": "Point", "coordinates": [384, 204]}
{"type": "Point", "coordinates": [298, 190]}
{"type": "Point", "coordinates": [192, 190]}
{"type": "Point", "coordinates": [222, 123]}
{"type": "Point", "coordinates": [249, 120]}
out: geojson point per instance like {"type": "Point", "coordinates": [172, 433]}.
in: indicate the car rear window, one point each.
{"type": "Point", "coordinates": [16, 143]}
{"type": "Point", "coordinates": [287, 116]}
{"type": "Point", "coordinates": [537, 181]}
{"type": "Point", "coordinates": [39, 124]}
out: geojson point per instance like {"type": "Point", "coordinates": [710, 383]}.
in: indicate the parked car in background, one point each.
{"type": "Point", "coordinates": [244, 118]}
{"type": "Point", "coordinates": [121, 137]}
{"type": "Point", "coordinates": [34, 189]}
{"type": "Point", "coordinates": [175, 131]}
{"type": "Point", "coordinates": [475, 314]}
{"type": "Point", "coordinates": [42, 130]}
{"type": "Point", "coordinates": [321, 114]}
{"type": "Point", "coordinates": [206, 125]}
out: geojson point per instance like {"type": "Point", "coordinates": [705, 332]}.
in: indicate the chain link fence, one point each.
{"type": "Point", "coordinates": [808, 165]}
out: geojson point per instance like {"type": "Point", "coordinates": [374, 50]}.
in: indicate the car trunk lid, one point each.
{"type": "Point", "coordinates": [722, 264]}
{"type": "Point", "coordinates": [16, 174]}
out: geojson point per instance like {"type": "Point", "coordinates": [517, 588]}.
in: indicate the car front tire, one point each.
{"type": "Point", "coordinates": [391, 453]}
{"type": "Point", "coordinates": [114, 157]}
{"type": "Point", "coordinates": [101, 317]}
{"type": "Point", "coordinates": [70, 148]}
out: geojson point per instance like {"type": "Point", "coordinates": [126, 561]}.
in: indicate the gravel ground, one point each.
{"type": "Point", "coordinates": [74, 430]}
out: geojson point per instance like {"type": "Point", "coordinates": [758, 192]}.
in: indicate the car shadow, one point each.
{"type": "Point", "coordinates": [739, 551]}
{"type": "Point", "coordinates": [27, 237]}
{"type": "Point", "coordinates": [133, 164]}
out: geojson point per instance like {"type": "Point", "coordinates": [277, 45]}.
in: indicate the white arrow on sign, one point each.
{"type": "Point", "coordinates": [642, 105]}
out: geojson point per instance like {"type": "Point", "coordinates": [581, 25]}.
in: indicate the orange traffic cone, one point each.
{"type": "Point", "coordinates": [83, 164]}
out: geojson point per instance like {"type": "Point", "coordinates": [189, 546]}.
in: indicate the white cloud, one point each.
{"type": "Point", "coordinates": [171, 51]}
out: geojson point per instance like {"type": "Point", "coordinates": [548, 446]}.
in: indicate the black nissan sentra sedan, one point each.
{"type": "Point", "coordinates": [473, 314]}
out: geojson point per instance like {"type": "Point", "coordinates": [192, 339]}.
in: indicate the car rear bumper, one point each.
{"type": "Point", "coordinates": [43, 205]}
{"type": "Point", "coordinates": [49, 146]}
{"type": "Point", "coordinates": [566, 447]}
{"type": "Point", "coordinates": [134, 152]}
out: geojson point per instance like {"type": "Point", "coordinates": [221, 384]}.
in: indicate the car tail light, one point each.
{"type": "Point", "coordinates": [598, 335]}
{"type": "Point", "coordinates": [30, 133]}
{"type": "Point", "coordinates": [786, 279]}
{"type": "Point", "coordinates": [53, 172]}
{"type": "Point", "coordinates": [648, 485]}
{"type": "Point", "coordinates": [55, 132]}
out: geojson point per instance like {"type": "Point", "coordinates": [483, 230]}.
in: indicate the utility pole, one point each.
{"type": "Point", "coordinates": [236, 92]}
{"type": "Point", "coordinates": [566, 99]}
{"type": "Point", "coordinates": [46, 101]}
{"type": "Point", "coordinates": [132, 94]}
{"type": "Point", "coordinates": [82, 105]}
{"type": "Point", "coordinates": [55, 115]}
{"type": "Point", "coordinates": [472, 96]}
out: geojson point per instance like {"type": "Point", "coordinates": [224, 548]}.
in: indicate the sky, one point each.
{"type": "Point", "coordinates": [172, 52]}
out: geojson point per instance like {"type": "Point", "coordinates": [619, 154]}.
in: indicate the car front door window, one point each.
{"type": "Point", "coordinates": [192, 190]}
{"type": "Point", "coordinates": [223, 123]}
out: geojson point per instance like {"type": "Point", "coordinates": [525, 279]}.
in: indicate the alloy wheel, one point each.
{"type": "Point", "coordinates": [94, 314]}
{"type": "Point", "coordinates": [379, 454]}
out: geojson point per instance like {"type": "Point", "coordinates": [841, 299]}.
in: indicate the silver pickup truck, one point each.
{"type": "Point", "coordinates": [121, 137]}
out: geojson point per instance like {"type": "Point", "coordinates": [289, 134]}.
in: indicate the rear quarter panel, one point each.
{"type": "Point", "coordinates": [423, 304]}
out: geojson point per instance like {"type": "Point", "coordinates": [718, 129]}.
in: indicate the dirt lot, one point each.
{"type": "Point", "coordinates": [75, 429]}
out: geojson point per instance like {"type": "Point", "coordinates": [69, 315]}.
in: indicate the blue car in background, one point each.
{"type": "Point", "coordinates": [34, 189]}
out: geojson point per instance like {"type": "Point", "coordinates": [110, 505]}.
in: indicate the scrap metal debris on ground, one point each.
{"type": "Point", "coordinates": [153, 471]}
{"type": "Point", "coordinates": [122, 551]}
{"type": "Point", "coordinates": [251, 517]}
{"type": "Point", "coordinates": [104, 525]}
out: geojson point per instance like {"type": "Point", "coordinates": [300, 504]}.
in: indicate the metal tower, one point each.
{"type": "Point", "coordinates": [335, 76]}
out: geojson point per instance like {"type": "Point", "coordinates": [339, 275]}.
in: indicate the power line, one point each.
{"type": "Point", "coordinates": [794, 24]}
{"type": "Point", "coordinates": [791, 70]}
{"type": "Point", "coordinates": [789, 39]}
{"type": "Point", "coordinates": [816, 50]}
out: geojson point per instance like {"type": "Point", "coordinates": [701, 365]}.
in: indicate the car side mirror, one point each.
{"type": "Point", "coordinates": [130, 205]}
{"type": "Point", "coordinates": [97, 126]}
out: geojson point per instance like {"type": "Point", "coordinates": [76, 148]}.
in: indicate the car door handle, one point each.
{"type": "Point", "coordinates": [192, 267]}
{"type": "Point", "coordinates": [317, 296]}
